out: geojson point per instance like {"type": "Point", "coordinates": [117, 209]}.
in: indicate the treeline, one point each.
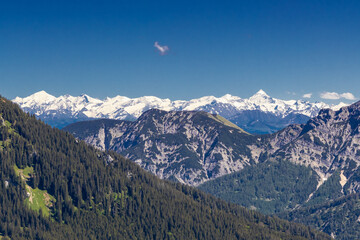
{"type": "Point", "coordinates": [101, 195]}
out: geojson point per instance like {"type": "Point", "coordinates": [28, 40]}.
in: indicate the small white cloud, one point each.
{"type": "Point", "coordinates": [330, 95]}
{"type": "Point", "coordinates": [307, 95]}
{"type": "Point", "coordinates": [162, 49]}
{"type": "Point", "coordinates": [336, 96]}
{"type": "Point", "coordinates": [348, 96]}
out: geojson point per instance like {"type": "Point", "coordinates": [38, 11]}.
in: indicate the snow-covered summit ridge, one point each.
{"type": "Point", "coordinates": [121, 107]}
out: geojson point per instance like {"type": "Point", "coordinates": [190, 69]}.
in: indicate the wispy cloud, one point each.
{"type": "Point", "coordinates": [291, 93]}
{"type": "Point", "coordinates": [336, 96]}
{"type": "Point", "coordinates": [307, 95]}
{"type": "Point", "coordinates": [162, 49]}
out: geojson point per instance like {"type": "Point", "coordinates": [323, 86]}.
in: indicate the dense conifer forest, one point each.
{"type": "Point", "coordinates": [53, 186]}
{"type": "Point", "coordinates": [339, 217]}
{"type": "Point", "coordinates": [269, 187]}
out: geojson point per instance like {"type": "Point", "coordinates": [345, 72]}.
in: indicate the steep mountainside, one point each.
{"type": "Point", "coordinates": [53, 186]}
{"type": "Point", "coordinates": [190, 147]}
{"type": "Point", "coordinates": [274, 113]}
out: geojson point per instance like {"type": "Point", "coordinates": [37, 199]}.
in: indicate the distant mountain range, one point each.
{"type": "Point", "coordinates": [258, 114]}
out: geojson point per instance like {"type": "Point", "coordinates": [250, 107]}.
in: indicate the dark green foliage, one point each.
{"type": "Point", "coordinates": [339, 217]}
{"type": "Point", "coordinates": [329, 190]}
{"type": "Point", "coordinates": [283, 188]}
{"type": "Point", "coordinates": [269, 187]}
{"type": "Point", "coordinates": [100, 195]}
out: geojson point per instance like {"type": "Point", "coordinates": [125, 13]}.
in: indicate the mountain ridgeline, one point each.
{"type": "Point", "coordinates": [56, 187]}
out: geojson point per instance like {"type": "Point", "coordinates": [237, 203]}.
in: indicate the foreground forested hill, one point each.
{"type": "Point", "coordinates": [55, 187]}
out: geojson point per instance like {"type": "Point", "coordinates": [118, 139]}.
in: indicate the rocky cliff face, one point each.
{"type": "Point", "coordinates": [188, 146]}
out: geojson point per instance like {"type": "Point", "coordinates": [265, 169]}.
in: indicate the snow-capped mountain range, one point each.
{"type": "Point", "coordinates": [60, 111]}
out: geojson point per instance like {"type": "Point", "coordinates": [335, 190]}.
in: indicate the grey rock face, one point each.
{"type": "Point", "coordinates": [189, 146]}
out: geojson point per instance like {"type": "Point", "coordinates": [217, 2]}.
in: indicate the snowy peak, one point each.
{"type": "Point", "coordinates": [41, 94]}
{"type": "Point", "coordinates": [39, 97]}
{"type": "Point", "coordinates": [260, 96]}
{"type": "Point", "coordinates": [261, 93]}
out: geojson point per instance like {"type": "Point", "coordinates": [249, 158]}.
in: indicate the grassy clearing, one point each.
{"type": "Point", "coordinates": [4, 238]}
{"type": "Point", "coordinates": [7, 124]}
{"type": "Point", "coordinates": [37, 199]}
{"type": "Point", "coordinates": [226, 122]}
{"type": "Point", "coordinates": [25, 173]}
{"type": "Point", "coordinates": [4, 143]}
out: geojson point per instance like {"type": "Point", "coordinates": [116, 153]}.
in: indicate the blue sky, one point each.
{"type": "Point", "coordinates": [106, 48]}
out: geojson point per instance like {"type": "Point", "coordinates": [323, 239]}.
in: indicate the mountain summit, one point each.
{"type": "Point", "coordinates": [41, 97]}
{"type": "Point", "coordinates": [261, 93]}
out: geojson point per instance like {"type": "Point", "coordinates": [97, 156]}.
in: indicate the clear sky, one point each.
{"type": "Point", "coordinates": [106, 48]}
